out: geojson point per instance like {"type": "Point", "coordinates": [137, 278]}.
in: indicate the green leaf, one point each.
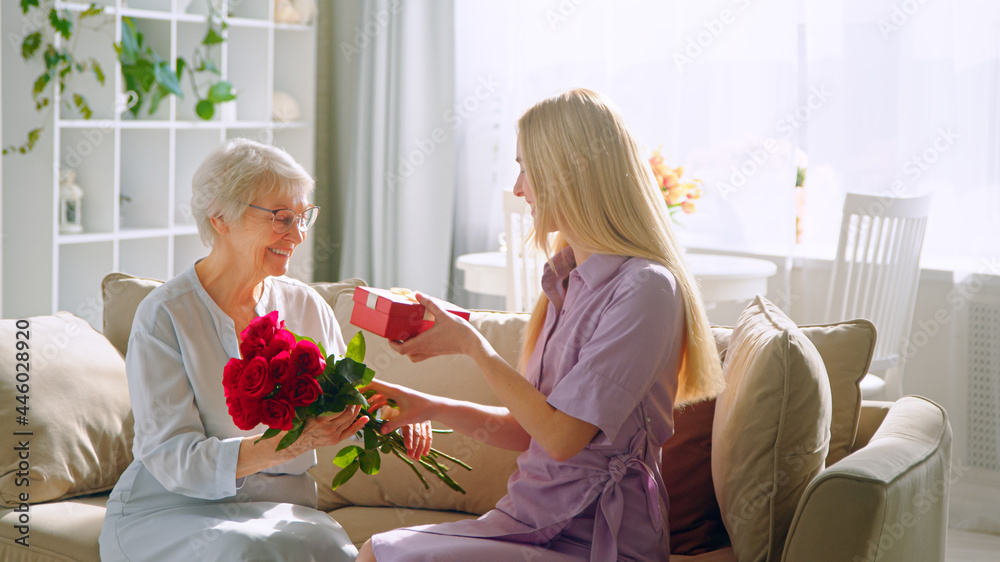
{"type": "Point", "coordinates": [40, 83]}
{"type": "Point", "coordinates": [208, 65]}
{"type": "Point", "coordinates": [27, 4]}
{"type": "Point", "coordinates": [222, 91]}
{"type": "Point", "coordinates": [155, 97]}
{"type": "Point", "coordinates": [205, 109]}
{"type": "Point", "coordinates": [98, 71]}
{"type": "Point", "coordinates": [93, 10]}
{"type": "Point", "coordinates": [292, 435]}
{"type": "Point", "coordinates": [271, 432]}
{"type": "Point", "coordinates": [371, 438]}
{"type": "Point", "coordinates": [350, 372]}
{"type": "Point", "coordinates": [181, 64]}
{"type": "Point", "coordinates": [367, 377]}
{"type": "Point", "coordinates": [371, 461]}
{"type": "Point", "coordinates": [212, 37]}
{"type": "Point", "coordinates": [352, 396]}
{"type": "Point", "coordinates": [53, 58]}
{"type": "Point", "coordinates": [81, 104]}
{"type": "Point", "coordinates": [165, 77]}
{"type": "Point", "coordinates": [344, 475]}
{"type": "Point", "coordinates": [33, 136]}
{"type": "Point", "coordinates": [63, 25]}
{"type": "Point", "coordinates": [31, 44]}
{"type": "Point", "coordinates": [130, 40]}
{"type": "Point", "coordinates": [356, 348]}
{"type": "Point", "coordinates": [347, 455]}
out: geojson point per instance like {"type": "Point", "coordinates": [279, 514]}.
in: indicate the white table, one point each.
{"type": "Point", "coordinates": [721, 278]}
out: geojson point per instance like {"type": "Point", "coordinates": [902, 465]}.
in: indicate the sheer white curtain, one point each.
{"type": "Point", "coordinates": [886, 96]}
{"type": "Point", "coordinates": [398, 215]}
{"type": "Point", "coordinates": [707, 81]}
{"type": "Point", "coordinates": [915, 109]}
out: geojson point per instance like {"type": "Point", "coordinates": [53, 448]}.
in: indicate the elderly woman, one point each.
{"type": "Point", "coordinates": [199, 487]}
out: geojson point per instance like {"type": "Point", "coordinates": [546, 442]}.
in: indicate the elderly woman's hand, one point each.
{"type": "Point", "coordinates": [329, 430]}
{"type": "Point", "coordinates": [450, 335]}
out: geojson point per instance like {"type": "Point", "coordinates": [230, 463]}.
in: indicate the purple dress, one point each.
{"type": "Point", "coordinates": [608, 354]}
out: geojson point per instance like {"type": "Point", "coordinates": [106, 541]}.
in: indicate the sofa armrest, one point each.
{"type": "Point", "coordinates": [872, 415]}
{"type": "Point", "coordinates": [887, 501]}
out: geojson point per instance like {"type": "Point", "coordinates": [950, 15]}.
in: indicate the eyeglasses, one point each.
{"type": "Point", "coordinates": [283, 219]}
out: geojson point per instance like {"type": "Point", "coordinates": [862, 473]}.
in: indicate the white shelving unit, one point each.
{"type": "Point", "coordinates": [150, 159]}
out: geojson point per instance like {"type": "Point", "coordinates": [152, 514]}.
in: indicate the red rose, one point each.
{"type": "Point", "coordinates": [277, 413]}
{"type": "Point", "coordinates": [302, 391]}
{"type": "Point", "coordinates": [282, 368]}
{"type": "Point", "coordinates": [307, 358]}
{"type": "Point", "coordinates": [263, 327]}
{"type": "Point", "coordinates": [245, 412]}
{"type": "Point", "coordinates": [231, 375]}
{"type": "Point", "coordinates": [283, 340]}
{"type": "Point", "coordinates": [252, 347]}
{"type": "Point", "coordinates": [255, 381]}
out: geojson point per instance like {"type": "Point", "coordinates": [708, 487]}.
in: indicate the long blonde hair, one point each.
{"type": "Point", "coordinates": [592, 184]}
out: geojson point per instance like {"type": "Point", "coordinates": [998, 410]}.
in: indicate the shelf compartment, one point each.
{"type": "Point", "coordinates": [145, 178]}
{"type": "Point", "coordinates": [298, 78]}
{"type": "Point", "coordinates": [155, 34]}
{"type": "Point", "coordinates": [258, 10]}
{"type": "Point", "coordinates": [144, 257]}
{"type": "Point", "coordinates": [92, 43]}
{"type": "Point", "coordinates": [261, 135]}
{"type": "Point", "coordinates": [82, 267]}
{"type": "Point", "coordinates": [192, 146]}
{"type": "Point", "coordinates": [189, 37]}
{"type": "Point", "coordinates": [299, 144]}
{"type": "Point", "coordinates": [187, 250]}
{"type": "Point", "coordinates": [151, 5]}
{"type": "Point", "coordinates": [247, 70]}
{"type": "Point", "coordinates": [91, 153]}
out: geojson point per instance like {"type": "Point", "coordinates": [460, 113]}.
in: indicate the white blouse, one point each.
{"type": "Point", "coordinates": [180, 343]}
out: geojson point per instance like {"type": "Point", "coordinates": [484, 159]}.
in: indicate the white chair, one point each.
{"type": "Point", "coordinates": [875, 277]}
{"type": "Point", "coordinates": [524, 262]}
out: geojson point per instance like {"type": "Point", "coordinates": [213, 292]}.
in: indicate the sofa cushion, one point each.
{"type": "Point", "coordinates": [76, 405]}
{"type": "Point", "coordinates": [695, 522]}
{"type": "Point", "coordinates": [63, 530]}
{"type": "Point", "coordinates": [452, 376]}
{"type": "Point", "coordinates": [771, 431]}
{"type": "Point", "coordinates": [846, 349]}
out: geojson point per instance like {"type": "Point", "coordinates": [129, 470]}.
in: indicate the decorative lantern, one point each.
{"type": "Point", "coordinates": [70, 197]}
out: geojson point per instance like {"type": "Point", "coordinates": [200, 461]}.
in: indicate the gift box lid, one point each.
{"type": "Point", "coordinates": [399, 302]}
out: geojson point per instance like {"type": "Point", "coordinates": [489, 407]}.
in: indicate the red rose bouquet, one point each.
{"type": "Point", "coordinates": [284, 379]}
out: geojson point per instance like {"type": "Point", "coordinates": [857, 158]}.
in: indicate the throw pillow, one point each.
{"type": "Point", "coordinates": [79, 424]}
{"type": "Point", "coordinates": [771, 431]}
{"type": "Point", "coordinates": [695, 522]}
{"type": "Point", "coordinates": [455, 377]}
{"type": "Point", "coordinates": [846, 349]}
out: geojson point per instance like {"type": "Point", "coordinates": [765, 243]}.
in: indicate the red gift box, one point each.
{"type": "Point", "coordinates": [394, 315]}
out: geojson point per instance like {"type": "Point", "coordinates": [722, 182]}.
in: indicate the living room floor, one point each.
{"type": "Point", "coordinates": [964, 546]}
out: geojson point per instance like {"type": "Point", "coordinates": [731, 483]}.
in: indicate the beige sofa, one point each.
{"type": "Point", "coordinates": [878, 490]}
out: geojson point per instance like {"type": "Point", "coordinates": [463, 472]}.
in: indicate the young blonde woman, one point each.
{"type": "Point", "coordinates": [616, 341]}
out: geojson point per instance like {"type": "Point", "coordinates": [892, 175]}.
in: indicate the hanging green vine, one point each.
{"type": "Point", "coordinates": [151, 77]}
{"type": "Point", "coordinates": [60, 62]}
{"type": "Point", "coordinates": [145, 72]}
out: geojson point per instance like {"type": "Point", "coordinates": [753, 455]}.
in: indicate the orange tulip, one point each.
{"type": "Point", "coordinates": [688, 207]}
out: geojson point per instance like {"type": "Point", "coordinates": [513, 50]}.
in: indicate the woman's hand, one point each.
{"type": "Point", "coordinates": [411, 415]}
{"type": "Point", "coordinates": [450, 335]}
{"type": "Point", "coordinates": [328, 430]}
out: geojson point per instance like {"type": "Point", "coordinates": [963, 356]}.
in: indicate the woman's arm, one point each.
{"type": "Point", "coordinates": [561, 435]}
{"type": "Point", "coordinates": [488, 424]}
{"type": "Point", "coordinates": [319, 432]}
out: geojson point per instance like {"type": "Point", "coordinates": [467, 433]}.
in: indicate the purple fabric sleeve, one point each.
{"type": "Point", "coordinates": [630, 347]}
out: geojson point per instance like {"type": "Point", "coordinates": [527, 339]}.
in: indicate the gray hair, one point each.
{"type": "Point", "coordinates": [237, 173]}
